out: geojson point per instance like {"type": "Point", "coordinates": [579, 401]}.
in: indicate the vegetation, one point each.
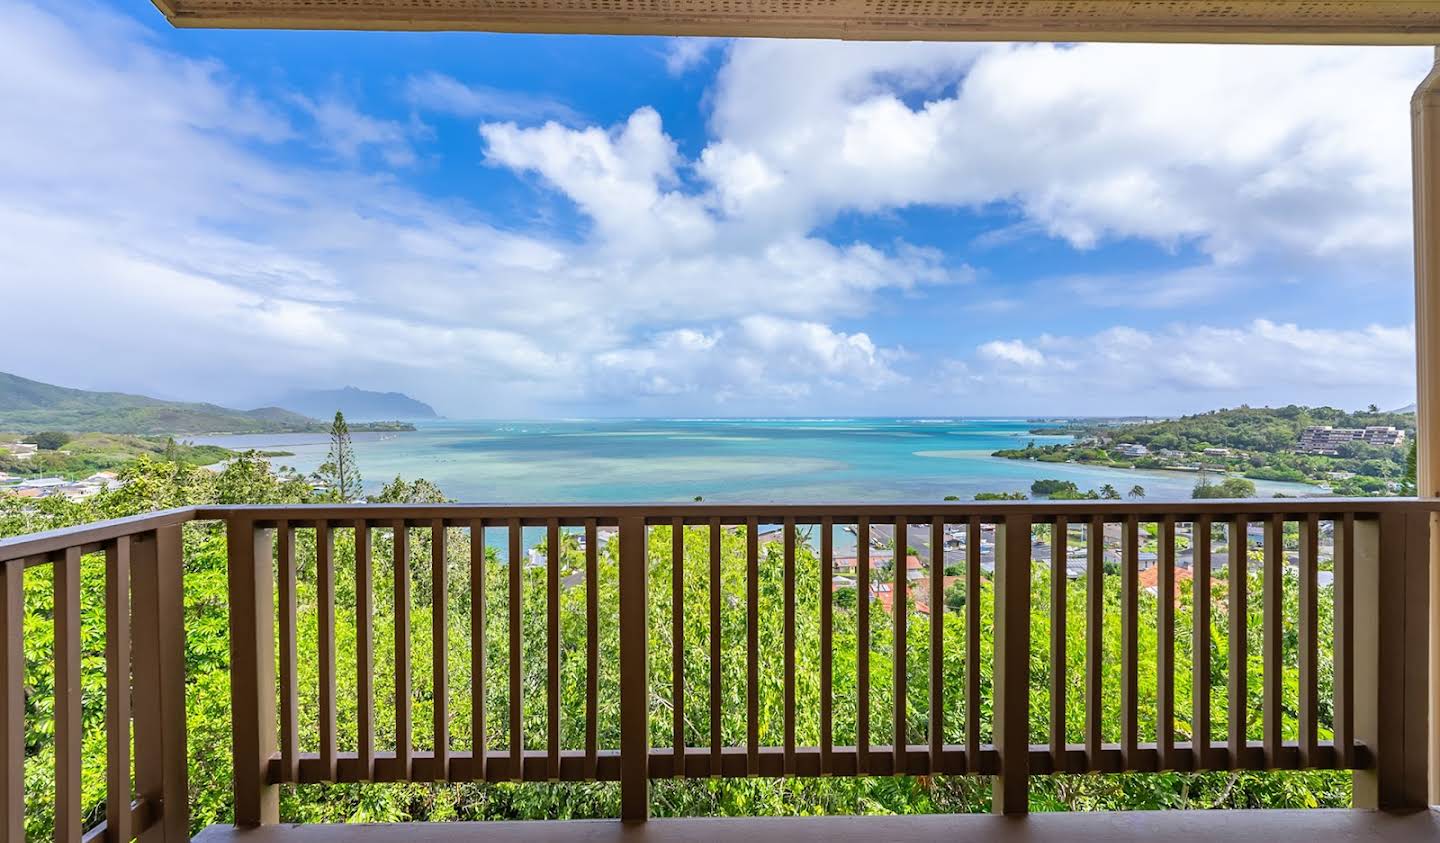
{"type": "Point", "coordinates": [1230, 487]}
{"type": "Point", "coordinates": [30, 406]}
{"type": "Point", "coordinates": [153, 483]}
{"type": "Point", "coordinates": [339, 475]}
{"type": "Point", "coordinates": [1257, 443]}
{"type": "Point", "coordinates": [87, 453]}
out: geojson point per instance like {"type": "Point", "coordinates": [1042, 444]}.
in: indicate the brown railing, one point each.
{"type": "Point", "coordinates": [1380, 569]}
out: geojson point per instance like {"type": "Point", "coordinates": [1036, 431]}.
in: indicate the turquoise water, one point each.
{"type": "Point", "coordinates": [722, 460]}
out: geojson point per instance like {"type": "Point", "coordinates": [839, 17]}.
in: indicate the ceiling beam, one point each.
{"type": "Point", "coordinates": [1209, 21]}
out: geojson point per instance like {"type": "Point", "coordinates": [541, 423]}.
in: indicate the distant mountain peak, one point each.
{"type": "Point", "coordinates": [357, 404]}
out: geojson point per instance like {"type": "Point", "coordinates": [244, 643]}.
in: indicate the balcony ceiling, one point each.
{"type": "Point", "coordinates": [1232, 21]}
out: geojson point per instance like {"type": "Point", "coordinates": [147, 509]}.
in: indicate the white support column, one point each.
{"type": "Point", "coordinates": [1425, 123]}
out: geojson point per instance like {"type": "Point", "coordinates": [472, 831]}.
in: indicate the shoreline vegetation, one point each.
{"type": "Point", "coordinates": [1247, 442]}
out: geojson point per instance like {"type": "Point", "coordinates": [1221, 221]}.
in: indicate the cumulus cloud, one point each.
{"type": "Point", "coordinates": [1185, 366]}
{"type": "Point", "coordinates": [759, 356]}
{"type": "Point", "coordinates": [1299, 154]}
{"type": "Point", "coordinates": [160, 199]}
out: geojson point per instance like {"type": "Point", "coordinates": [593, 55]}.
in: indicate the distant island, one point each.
{"type": "Point", "coordinates": [28, 406]}
{"type": "Point", "coordinates": [358, 405]}
{"type": "Point", "coordinates": [1353, 453]}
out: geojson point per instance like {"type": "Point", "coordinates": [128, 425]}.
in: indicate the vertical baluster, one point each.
{"type": "Point", "coordinates": [1059, 559]}
{"type": "Point", "coordinates": [1165, 658]}
{"type": "Point", "coordinates": [157, 624]}
{"type": "Point", "coordinates": [1236, 670]}
{"type": "Point", "coordinates": [677, 643]}
{"type": "Point", "coordinates": [478, 729]}
{"type": "Point", "coordinates": [478, 725]}
{"type": "Point", "coordinates": [634, 671]}
{"type": "Point", "coordinates": [972, 645]}
{"type": "Point", "coordinates": [67, 697]}
{"type": "Point", "coordinates": [716, 740]}
{"type": "Point", "coordinates": [1308, 643]}
{"type": "Point", "coordinates": [402, 650]}
{"type": "Point", "coordinates": [862, 646]}
{"type": "Point", "coordinates": [752, 647]}
{"type": "Point", "coordinates": [552, 646]}
{"type": "Point", "coordinates": [937, 643]}
{"type": "Point", "coordinates": [12, 700]}
{"type": "Point", "coordinates": [1129, 642]}
{"type": "Point", "coordinates": [1094, 637]}
{"type": "Point", "coordinates": [827, 626]}
{"type": "Point", "coordinates": [325, 585]}
{"type": "Point", "coordinates": [592, 648]}
{"type": "Point", "coordinates": [440, 649]}
{"type": "Point", "coordinates": [517, 720]}
{"type": "Point", "coordinates": [1272, 636]}
{"type": "Point", "coordinates": [364, 651]}
{"type": "Point", "coordinates": [1345, 641]}
{"type": "Point", "coordinates": [789, 644]}
{"type": "Point", "coordinates": [1200, 641]}
{"type": "Point", "coordinates": [117, 691]}
{"type": "Point", "coordinates": [289, 660]}
{"type": "Point", "coordinates": [1010, 790]}
{"type": "Point", "coordinates": [899, 594]}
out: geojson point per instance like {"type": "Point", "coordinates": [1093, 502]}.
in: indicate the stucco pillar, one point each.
{"type": "Point", "coordinates": [1425, 123]}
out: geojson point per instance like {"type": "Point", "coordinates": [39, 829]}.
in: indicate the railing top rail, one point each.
{"type": "Point", "coordinates": [1042, 510]}
{"type": "Point", "coordinates": [85, 535]}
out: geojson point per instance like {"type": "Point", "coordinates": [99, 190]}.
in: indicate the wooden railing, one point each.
{"type": "Point", "coordinates": [1380, 593]}
{"type": "Point", "coordinates": [144, 677]}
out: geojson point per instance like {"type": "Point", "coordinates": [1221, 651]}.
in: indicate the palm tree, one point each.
{"type": "Point", "coordinates": [1109, 493]}
{"type": "Point", "coordinates": [1137, 491]}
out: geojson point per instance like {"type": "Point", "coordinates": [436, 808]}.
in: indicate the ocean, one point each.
{"type": "Point", "coordinates": [720, 460]}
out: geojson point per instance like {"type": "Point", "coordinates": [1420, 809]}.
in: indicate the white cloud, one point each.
{"type": "Point", "coordinates": [1189, 366]}
{"type": "Point", "coordinates": [346, 131]}
{"type": "Point", "coordinates": [760, 356]}
{"type": "Point", "coordinates": [1296, 154]}
{"type": "Point", "coordinates": [440, 93]}
{"type": "Point", "coordinates": [145, 191]}
{"type": "Point", "coordinates": [684, 54]}
{"type": "Point", "coordinates": [157, 198]}
{"type": "Point", "coordinates": [1013, 353]}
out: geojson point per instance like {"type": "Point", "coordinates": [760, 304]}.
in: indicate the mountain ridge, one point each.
{"type": "Point", "coordinates": [29, 406]}
{"type": "Point", "coordinates": [357, 404]}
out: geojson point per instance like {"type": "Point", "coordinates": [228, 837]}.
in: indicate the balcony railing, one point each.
{"type": "Point", "coordinates": [1378, 639]}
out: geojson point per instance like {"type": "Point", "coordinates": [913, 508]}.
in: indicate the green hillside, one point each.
{"type": "Point", "coordinates": [27, 406]}
{"type": "Point", "coordinates": [87, 453]}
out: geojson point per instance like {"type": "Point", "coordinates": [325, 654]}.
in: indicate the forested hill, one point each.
{"type": "Point", "coordinates": [28, 406]}
{"type": "Point", "coordinates": [356, 404]}
{"type": "Point", "coordinates": [1245, 428]}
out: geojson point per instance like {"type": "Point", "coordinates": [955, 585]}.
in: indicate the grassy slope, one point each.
{"type": "Point", "coordinates": [91, 452]}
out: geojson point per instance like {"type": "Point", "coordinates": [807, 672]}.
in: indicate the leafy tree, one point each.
{"type": "Point", "coordinates": [1230, 487]}
{"type": "Point", "coordinates": [339, 474]}
{"type": "Point", "coordinates": [1001, 496]}
{"type": "Point", "coordinates": [1410, 482]}
{"type": "Point", "coordinates": [1049, 488]}
{"type": "Point", "coordinates": [48, 440]}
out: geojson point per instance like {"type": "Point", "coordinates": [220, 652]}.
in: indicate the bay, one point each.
{"type": "Point", "coordinates": [879, 460]}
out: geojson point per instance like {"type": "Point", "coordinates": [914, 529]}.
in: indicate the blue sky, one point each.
{"type": "Point", "coordinates": [512, 225]}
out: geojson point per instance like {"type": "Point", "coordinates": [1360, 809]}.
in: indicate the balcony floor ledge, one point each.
{"type": "Point", "coordinates": [1269, 826]}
